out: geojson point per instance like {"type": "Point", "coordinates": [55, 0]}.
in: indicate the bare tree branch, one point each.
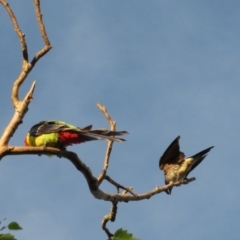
{"type": "Point", "coordinates": [21, 107]}
{"type": "Point", "coordinates": [110, 217]}
{"type": "Point", "coordinates": [25, 66]}
{"type": "Point", "coordinates": [110, 143]}
{"type": "Point", "coordinates": [118, 186]}
{"type": "Point", "coordinates": [20, 34]}
{"type": "Point", "coordinates": [17, 117]}
{"type": "Point", "coordinates": [85, 170]}
{"type": "Point", "coordinates": [76, 161]}
{"type": "Point", "coordinates": [47, 46]}
{"type": "Point", "coordinates": [126, 191]}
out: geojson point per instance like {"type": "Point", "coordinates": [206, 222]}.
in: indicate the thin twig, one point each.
{"type": "Point", "coordinates": [20, 34]}
{"type": "Point", "coordinates": [126, 191]}
{"type": "Point", "coordinates": [118, 186]}
{"type": "Point", "coordinates": [17, 117]}
{"type": "Point", "coordinates": [110, 143]}
{"type": "Point", "coordinates": [110, 217]}
{"type": "Point", "coordinates": [25, 66]}
{"type": "Point", "coordinates": [47, 46]}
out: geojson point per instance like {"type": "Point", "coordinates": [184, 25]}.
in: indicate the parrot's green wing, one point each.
{"type": "Point", "coordinates": [45, 127]}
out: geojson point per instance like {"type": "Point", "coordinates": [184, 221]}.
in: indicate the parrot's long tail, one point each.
{"type": "Point", "coordinates": [102, 134]}
{"type": "Point", "coordinates": [70, 137]}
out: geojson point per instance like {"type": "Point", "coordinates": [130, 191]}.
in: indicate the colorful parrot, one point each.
{"type": "Point", "coordinates": [60, 134]}
{"type": "Point", "coordinates": [174, 164]}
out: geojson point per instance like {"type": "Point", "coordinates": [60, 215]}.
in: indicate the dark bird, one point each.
{"type": "Point", "coordinates": [60, 134]}
{"type": "Point", "coordinates": [174, 164]}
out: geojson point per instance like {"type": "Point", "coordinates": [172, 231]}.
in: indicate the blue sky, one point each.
{"type": "Point", "coordinates": [163, 69]}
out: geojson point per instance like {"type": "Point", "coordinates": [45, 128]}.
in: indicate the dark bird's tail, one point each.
{"type": "Point", "coordinates": [199, 157]}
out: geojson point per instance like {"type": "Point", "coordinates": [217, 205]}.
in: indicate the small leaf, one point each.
{"type": "Point", "coordinates": [7, 236]}
{"type": "Point", "coordinates": [121, 234]}
{"type": "Point", "coordinates": [14, 226]}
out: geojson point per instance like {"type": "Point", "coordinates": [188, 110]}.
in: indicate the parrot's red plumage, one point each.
{"type": "Point", "coordinates": [69, 138]}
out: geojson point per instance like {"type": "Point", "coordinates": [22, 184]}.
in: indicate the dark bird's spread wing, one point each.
{"type": "Point", "coordinates": [199, 157]}
{"type": "Point", "coordinates": [45, 127]}
{"type": "Point", "coordinates": [172, 155]}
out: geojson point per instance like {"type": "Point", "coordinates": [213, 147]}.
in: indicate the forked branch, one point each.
{"type": "Point", "coordinates": [118, 186]}
{"type": "Point", "coordinates": [85, 170]}
{"type": "Point", "coordinates": [21, 107]}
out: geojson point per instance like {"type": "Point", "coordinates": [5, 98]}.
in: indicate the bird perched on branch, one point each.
{"type": "Point", "coordinates": [60, 135]}
{"type": "Point", "coordinates": [174, 164]}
